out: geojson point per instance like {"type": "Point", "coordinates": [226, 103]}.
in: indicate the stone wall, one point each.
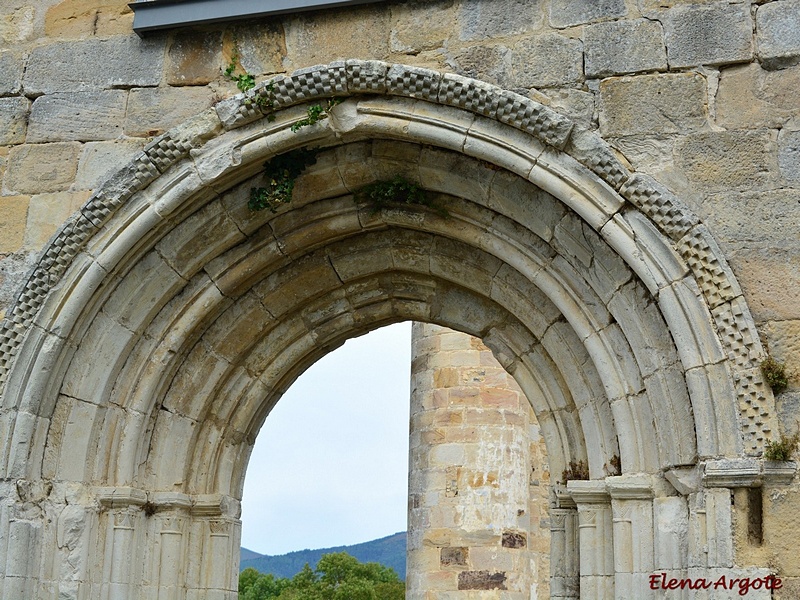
{"type": "Point", "coordinates": [700, 95]}
{"type": "Point", "coordinates": [479, 478]}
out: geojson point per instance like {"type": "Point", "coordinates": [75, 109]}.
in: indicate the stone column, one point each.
{"type": "Point", "coordinates": [469, 482]}
{"type": "Point", "coordinates": [596, 539]}
{"type": "Point", "coordinates": [632, 510]}
{"type": "Point", "coordinates": [564, 544]}
{"type": "Point", "coordinates": [216, 533]}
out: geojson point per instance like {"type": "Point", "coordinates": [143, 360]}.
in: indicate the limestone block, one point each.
{"type": "Point", "coordinates": [40, 168]}
{"type": "Point", "coordinates": [770, 280]}
{"type": "Point", "coordinates": [783, 340]}
{"type": "Point", "coordinates": [320, 37]}
{"type": "Point", "coordinates": [47, 212]}
{"type": "Point", "coordinates": [626, 46]}
{"type": "Point", "coordinates": [712, 34]}
{"type": "Point", "coordinates": [753, 219]}
{"type": "Point", "coordinates": [487, 63]}
{"type": "Point", "coordinates": [778, 34]}
{"type": "Point", "coordinates": [151, 111]}
{"type": "Point", "coordinates": [671, 541]}
{"type": "Point", "coordinates": [10, 73]}
{"type": "Point", "coordinates": [566, 13]}
{"type": "Point", "coordinates": [577, 105]}
{"type": "Point", "coordinates": [99, 160]}
{"type": "Point", "coordinates": [12, 226]}
{"type": "Point", "coordinates": [94, 63]}
{"type": "Point", "coordinates": [261, 47]}
{"type": "Point", "coordinates": [789, 155]}
{"type": "Point", "coordinates": [421, 26]}
{"type": "Point", "coordinates": [729, 160]}
{"type": "Point", "coordinates": [13, 120]}
{"type": "Point", "coordinates": [670, 103]}
{"type": "Point", "coordinates": [482, 19]}
{"type": "Point", "coordinates": [749, 96]}
{"type": "Point", "coordinates": [78, 116]}
{"type": "Point", "coordinates": [80, 19]}
{"type": "Point", "coordinates": [194, 58]}
{"type": "Point", "coordinates": [13, 267]}
{"type": "Point", "coordinates": [546, 60]}
{"type": "Point", "coordinates": [17, 24]}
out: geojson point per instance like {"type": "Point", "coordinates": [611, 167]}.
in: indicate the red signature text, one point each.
{"type": "Point", "coordinates": [659, 581]}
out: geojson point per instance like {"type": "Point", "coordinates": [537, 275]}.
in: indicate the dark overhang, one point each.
{"type": "Point", "coordinates": [152, 15]}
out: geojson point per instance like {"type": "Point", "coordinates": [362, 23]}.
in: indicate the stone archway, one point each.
{"type": "Point", "coordinates": [608, 302]}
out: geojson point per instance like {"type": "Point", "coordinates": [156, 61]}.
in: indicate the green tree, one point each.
{"type": "Point", "coordinates": [338, 576]}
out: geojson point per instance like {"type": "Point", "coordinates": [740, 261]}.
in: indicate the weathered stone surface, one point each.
{"type": "Point", "coordinates": [151, 111]}
{"type": "Point", "coordinates": [481, 580]}
{"type": "Point", "coordinates": [565, 13]}
{"type": "Point", "coordinates": [10, 73]}
{"type": "Point", "coordinates": [783, 339]}
{"type": "Point", "coordinates": [317, 38]}
{"type": "Point", "coordinates": [420, 26]}
{"type": "Point", "coordinates": [92, 64]}
{"type": "Point", "coordinates": [17, 23]}
{"type": "Point", "coordinates": [749, 96]}
{"type": "Point", "coordinates": [40, 168]}
{"type": "Point", "coordinates": [624, 47]}
{"type": "Point", "coordinates": [770, 280]}
{"type": "Point", "coordinates": [546, 60]}
{"type": "Point", "coordinates": [12, 268]}
{"type": "Point", "coordinates": [714, 34]}
{"type": "Point", "coordinates": [261, 47]}
{"type": "Point", "coordinates": [488, 63]}
{"type": "Point", "coordinates": [101, 159]}
{"type": "Point", "coordinates": [47, 212]}
{"type": "Point", "coordinates": [481, 19]}
{"type": "Point", "coordinates": [194, 58]}
{"type": "Point", "coordinates": [12, 227]}
{"type": "Point", "coordinates": [729, 160]}
{"type": "Point", "coordinates": [753, 219]}
{"type": "Point", "coordinates": [577, 105]}
{"type": "Point", "coordinates": [789, 155]}
{"type": "Point", "coordinates": [778, 34]}
{"type": "Point", "coordinates": [669, 103]}
{"type": "Point", "coordinates": [77, 116]}
{"type": "Point", "coordinates": [84, 18]}
{"type": "Point", "coordinates": [454, 556]}
{"type": "Point", "coordinates": [13, 120]}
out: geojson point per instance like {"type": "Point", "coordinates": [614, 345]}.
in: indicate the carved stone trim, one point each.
{"type": "Point", "coordinates": [121, 497]}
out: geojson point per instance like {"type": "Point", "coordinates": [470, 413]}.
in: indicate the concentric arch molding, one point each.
{"type": "Point", "coordinates": [546, 140]}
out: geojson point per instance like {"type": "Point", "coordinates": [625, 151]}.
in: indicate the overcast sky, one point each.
{"type": "Point", "coordinates": [330, 465]}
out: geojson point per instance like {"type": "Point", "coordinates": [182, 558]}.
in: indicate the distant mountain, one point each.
{"type": "Point", "coordinates": [389, 551]}
{"type": "Point", "coordinates": [246, 554]}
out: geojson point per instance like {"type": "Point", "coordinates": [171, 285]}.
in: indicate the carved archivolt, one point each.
{"type": "Point", "coordinates": [667, 247]}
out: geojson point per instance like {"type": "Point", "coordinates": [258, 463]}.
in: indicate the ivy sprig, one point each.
{"type": "Point", "coordinates": [396, 191]}
{"type": "Point", "coordinates": [280, 174]}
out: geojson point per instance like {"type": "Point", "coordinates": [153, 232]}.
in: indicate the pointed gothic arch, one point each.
{"type": "Point", "coordinates": [606, 299]}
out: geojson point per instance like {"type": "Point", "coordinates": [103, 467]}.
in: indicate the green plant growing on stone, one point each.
{"type": "Point", "coordinates": [244, 81]}
{"type": "Point", "coordinates": [315, 114]}
{"type": "Point", "coordinates": [783, 449]}
{"type": "Point", "coordinates": [576, 471]}
{"type": "Point", "coordinates": [281, 172]}
{"type": "Point", "coordinates": [775, 374]}
{"type": "Point", "coordinates": [397, 191]}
